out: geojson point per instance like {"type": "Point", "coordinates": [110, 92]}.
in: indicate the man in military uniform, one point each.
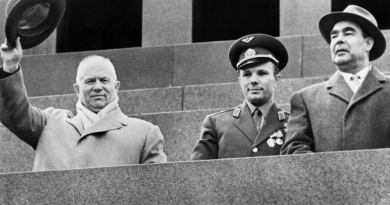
{"type": "Point", "coordinates": [257, 126]}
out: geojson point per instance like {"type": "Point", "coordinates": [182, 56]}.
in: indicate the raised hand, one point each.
{"type": "Point", "coordinates": [11, 56]}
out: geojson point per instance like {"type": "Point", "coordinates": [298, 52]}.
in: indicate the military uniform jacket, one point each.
{"type": "Point", "coordinates": [232, 133]}
{"type": "Point", "coordinates": [60, 141]}
{"type": "Point", "coordinates": [329, 117]}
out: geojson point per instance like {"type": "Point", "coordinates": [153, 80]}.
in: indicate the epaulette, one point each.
{"type": "Point", "coordinates": [236, 112]}
{"type": "Point", "coordinates": [282, 115]}
{"type": "Point", "coordinates": [222, 111]}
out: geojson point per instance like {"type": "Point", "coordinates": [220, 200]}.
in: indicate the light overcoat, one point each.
{"type": "Point", "coordinates": [232, 133]}
{"type": "Point", "coordinates": [329, 117]}
{"type": "Point", "coordinates": [61, 142]}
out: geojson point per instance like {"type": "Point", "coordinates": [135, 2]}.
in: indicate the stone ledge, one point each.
{"type": "Point", "coordinates": [356, 177]}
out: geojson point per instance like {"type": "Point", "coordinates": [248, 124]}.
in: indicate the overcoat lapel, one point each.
{"type": "Point", "coordinates": [371, 84]}
{"type": "Point", "coordinates": [114, 120]}
{"type": "Point", "coordinates": [76, 122]}
{"type": "Point", "coordinates": [245, 123]}
{"type": "Point", "coordinates": [339, 88]}
{"type": "Point", "coordinates": [272, 124]}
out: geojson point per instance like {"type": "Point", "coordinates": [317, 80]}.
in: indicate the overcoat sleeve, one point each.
{"type": "Point", "coordinates": [16, 113]}
{"type": "Point", "coordinates": [299, 137]}
{"type": "Point", "coordinates": [153, 151]}
{"type": "Point", "coordinates": [207, 146]}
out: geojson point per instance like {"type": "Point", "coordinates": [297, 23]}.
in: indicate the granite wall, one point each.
{"type": "Point", "coordinates": [358, 177]}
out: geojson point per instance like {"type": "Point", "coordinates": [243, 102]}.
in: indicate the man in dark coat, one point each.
{"type": "Point", "coordinates": [350, 110]}
{"type": "Point", "coordinates": [257, 126]}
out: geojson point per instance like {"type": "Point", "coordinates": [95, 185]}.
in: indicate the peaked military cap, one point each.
{"type": "Point", "coordinates": [32, 20]}
{"type": "Point", "coordinates": [249, 49]}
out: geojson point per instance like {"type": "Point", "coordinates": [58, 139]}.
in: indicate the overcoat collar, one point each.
{"type": "Point", "coordinates": [373, 82]}
{"type": "Point", "coordinates": [272, 124]}
{"type": "Point", "coordinates": [113, 120]}
{"type": "Point", "coordinates": [338, 87]}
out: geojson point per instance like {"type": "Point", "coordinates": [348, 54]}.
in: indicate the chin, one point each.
{"type": "Point", "coordinates": [98, 106]}
{"type": "Point", "coordinates": [341, 61]}
{"type": "Point", "coordinates": [257, 101]}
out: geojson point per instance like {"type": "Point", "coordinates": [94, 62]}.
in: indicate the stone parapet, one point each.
{"type": "Point", "coordinates": [357, 177]}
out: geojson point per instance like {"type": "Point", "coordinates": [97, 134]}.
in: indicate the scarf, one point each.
{"type": "Point", "coordinates": [88, 118]}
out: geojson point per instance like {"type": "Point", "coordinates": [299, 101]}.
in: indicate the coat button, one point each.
{"type": "Point", "coordinates": [255, 150]}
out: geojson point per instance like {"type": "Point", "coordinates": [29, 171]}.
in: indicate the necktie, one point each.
{"type": "Point", "coordinates": [354, 83]}
{"type": "Point", "coordinates": [257, 119]}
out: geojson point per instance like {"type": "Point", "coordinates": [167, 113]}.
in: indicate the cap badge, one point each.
{"type": "Point", "coordinates": [250, 52]}
{"type": "Point", "coordinates": [247, 39]}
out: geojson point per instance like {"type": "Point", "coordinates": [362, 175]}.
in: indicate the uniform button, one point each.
{"type": "Point", "coordinates": [255, 150]}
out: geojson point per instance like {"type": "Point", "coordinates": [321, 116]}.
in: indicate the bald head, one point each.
{"type": "Point", "coordinates": [93, 63]}
{"type": "Point", "coordinates": [96, 83]}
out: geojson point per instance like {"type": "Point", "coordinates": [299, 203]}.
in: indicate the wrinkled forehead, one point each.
{"type": "Point", "coordinates": [346, 24]}
{"type": "Point", "coordinates": [96, 67]}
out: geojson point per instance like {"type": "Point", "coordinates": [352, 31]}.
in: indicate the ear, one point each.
{"type": "Point", "coordinates": [278, 78]}
{"type": "Point", "coordinates": [76, 88]}
{"type": "Point", "coordinates": [117, 85]}
{"type": "Point", "coordinates": [369, 43]}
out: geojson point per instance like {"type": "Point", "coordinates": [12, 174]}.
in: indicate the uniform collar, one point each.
{"type": "Point", "coordinates": [264, 109]}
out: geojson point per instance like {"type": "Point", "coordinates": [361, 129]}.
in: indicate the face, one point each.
{"type": "Point", "coordinates": [96, 85]}
{"type": "Point", "coordinates": [349, 49]}
{"type": "Point", "coordinates": [258, 82]}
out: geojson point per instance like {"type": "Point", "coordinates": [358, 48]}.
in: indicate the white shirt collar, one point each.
{"type": "Point", "coordinates": [362, 75]}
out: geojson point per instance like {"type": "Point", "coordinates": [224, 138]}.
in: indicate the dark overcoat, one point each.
{"type": "Point", "coordinates": [61, 142]}
{"type": "Point", "coordinates": [329, 117]}
{"type": "Point", "coordinates": [232, 133]}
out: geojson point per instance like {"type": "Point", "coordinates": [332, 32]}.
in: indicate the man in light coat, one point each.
{"type": "Point", "coordinates": [257, 126]}
{"type": "Point", "coordinates": [350, 110]}
{"type": "Point", "coordinates": [99, 135]}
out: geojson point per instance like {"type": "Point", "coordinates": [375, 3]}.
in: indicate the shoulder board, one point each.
{"type": "Point", "coordinates": [283, 115]}
{"type": "Point", "coordinates": [236, 112]}
{"type": "Point", "coordinates": [222, 111]}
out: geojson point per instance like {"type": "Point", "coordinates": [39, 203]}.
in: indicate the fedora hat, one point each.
{"type": "Point", "coordinates": [249, 49]}
{"type": "Point", "coordinates": [32, 20]}
{"type": "Point", "coordinates": [361, 17]}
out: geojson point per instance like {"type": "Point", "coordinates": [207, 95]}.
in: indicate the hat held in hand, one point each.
{"type": "Point", "coordinates": [32, 20]}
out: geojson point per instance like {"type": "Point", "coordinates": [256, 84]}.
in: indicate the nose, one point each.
{"type": "Point", "coordinates": [254, 79]}
{"type": "Point", "coordinates": [339, 39]}
{"type": "Point", "coordinates": [98, 86]}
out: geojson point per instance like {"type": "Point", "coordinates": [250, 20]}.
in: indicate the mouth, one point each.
{"type": "Point", "coordinates": [341, 51]}
{"type": "Point", "coordinates": [97, 96]}
{"type": "Point", "coordinates": [255, 89]}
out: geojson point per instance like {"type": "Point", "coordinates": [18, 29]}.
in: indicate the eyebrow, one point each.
{"type": "Point", "coordinates": [345, 29]}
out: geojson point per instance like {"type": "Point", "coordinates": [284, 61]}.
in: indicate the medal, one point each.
{"type": "Point", "coordinates": [279, 134]}
{"type": "Point", "coordinates": [271, 142]}
{"type": "Point", "coordinates": [279, 141]}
